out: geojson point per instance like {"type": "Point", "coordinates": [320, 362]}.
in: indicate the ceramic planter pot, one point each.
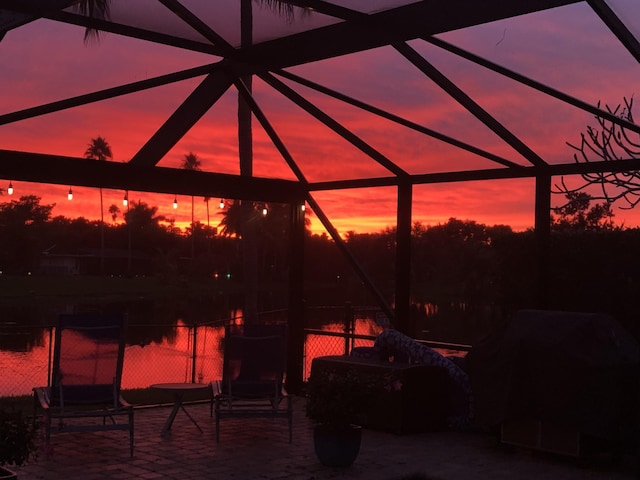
{"type": "Point", "coordinates": [337, 445]}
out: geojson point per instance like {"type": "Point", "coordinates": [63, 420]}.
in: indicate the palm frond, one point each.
{"type": "Point", "coordinates": [281, 7]}
{"type": "Point", "coordinates": [98, 9]}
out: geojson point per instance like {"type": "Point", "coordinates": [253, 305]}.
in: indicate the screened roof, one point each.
{"type": "Point", "coordinates": [454, 50]}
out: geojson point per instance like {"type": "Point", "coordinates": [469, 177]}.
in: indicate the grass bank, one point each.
{"type": "Point", "coordinates": [86, 285]}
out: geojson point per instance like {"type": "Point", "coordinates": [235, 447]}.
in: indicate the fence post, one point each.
{"type": "Point", "coordinates": [348, 325]}
{"type": "Point", "coordinates": [194, 353]}
{"type": "Point", "coordinates": [49, 366]}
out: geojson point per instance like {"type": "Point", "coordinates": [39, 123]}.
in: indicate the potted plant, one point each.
{"type": "Point", "coordinates": [17, 440]}
{"type": "Point", "coordinates": [337, 401]}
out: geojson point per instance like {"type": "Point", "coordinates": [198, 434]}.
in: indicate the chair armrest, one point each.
{"type": "Point", "coordinates": [41, 395]}
{"type": "Point", "coordinates": [216, 388]}
{"type": "Point", "coordinates": [123, 402]}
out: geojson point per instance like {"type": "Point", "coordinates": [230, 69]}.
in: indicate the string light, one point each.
{"type": "Point", "coordinates": [10, 189]}
{"type": "Point", "coordinates": [264, 211]}
{"type": "Point", "coordinates": [70, 194]}
{"type": "Point", "coordinates": [303, 207]}
{"type": "Point", "coordinates": [125, 200]}
{"type": "Point", "coordinates": [222, 203]}
{"type": "Point", "coordinates": [175, 201]}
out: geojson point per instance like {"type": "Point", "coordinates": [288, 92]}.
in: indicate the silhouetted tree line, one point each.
{"type": "Point", "coordinates": [466, 277]}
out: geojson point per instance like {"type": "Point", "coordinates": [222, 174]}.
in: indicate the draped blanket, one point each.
{"type": "Point", "coordinates": [398, 345]}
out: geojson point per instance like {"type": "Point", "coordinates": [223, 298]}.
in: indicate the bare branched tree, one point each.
{"type": "Point", "coordinates": [608, 141]}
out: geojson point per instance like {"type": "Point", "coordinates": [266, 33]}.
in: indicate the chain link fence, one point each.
{"type": "Point", "coordinates": [180, 352]}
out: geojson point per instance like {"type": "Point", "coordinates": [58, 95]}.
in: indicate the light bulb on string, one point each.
{"type": "Point", "coordinates": [70, 194]}
{"type": "Point", "coordinates": [222, 203]}
{"type": "Point", "coordinates": [10, 188]}
{"type": "Point", "coordinates": [125, 200]}
{"type": "Point", "coordinates": [175, 201]}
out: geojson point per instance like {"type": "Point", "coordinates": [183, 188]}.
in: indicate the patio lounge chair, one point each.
{"type": "Point", "coordinates": [253, 375]}
{"type": "Point", "coordinates": [84, 391]}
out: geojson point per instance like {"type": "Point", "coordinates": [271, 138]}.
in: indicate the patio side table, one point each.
{"type": "Point", "coordinates": [179, 390]}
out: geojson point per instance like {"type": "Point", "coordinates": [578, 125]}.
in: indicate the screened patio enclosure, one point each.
{"type": "Point", "coordinates": [466, 113]}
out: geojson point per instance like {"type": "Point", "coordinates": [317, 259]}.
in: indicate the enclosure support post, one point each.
{"type": "Point", "coordinates": [296, 320]}
{"type": "Point", "coordinates": [403, 257]}
{"type": "Point", "coordinates": [194, 353]}
{"type": "Point", "coordinates": [349, 328]}
{"type": "Point", "coordinates": [542, 238]}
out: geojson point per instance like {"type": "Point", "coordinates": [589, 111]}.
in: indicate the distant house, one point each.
{"type": "Point", "coordinates": [62, 263]}
{"type": "Point", "coordinates": [86, 261]}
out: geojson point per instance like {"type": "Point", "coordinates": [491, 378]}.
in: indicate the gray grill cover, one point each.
{"type": "Point", "coordinates": [575, 369]}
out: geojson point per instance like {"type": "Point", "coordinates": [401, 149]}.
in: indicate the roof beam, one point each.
{"type": "Point", "coordinates": [105, 94]}
{"type": "Point", "coordinates": [616, 25]}
{"type": "Point", "coordinates": [15, 13]}
{"type": "Point", "coordinates": [598, 112]}
{"type": "Point", "coordinates": [359, 32]}
{"type": "Point", "coordinates": [396, 119]}
{"type": "Point", "coordinates": [198, 25]}
{"type": "Point", "coordinates": [427, 17]}
{"type": "Point", "coordinates": [487, 174]}
{"type": "Point", "coordinates": [271, 132]}
{"type": "Point", "coordinates": [133, 32]}
{"type": "Point", "coordinates": [185, 117]}
{"type": "Point", "coordinates": [333, 124]}
{"type": "Point", "coordinates": [62, 170]}
{"type": "Point", "coordinates": [463, 99]}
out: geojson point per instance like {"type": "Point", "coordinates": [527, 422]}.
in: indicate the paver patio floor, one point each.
{"type": "Point", "coordinates": [259, 449]}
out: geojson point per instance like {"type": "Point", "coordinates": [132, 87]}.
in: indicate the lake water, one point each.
{"type": "Point", "coordinates": [163, 356]}
{"type": "Point", "coordinates": [162, 337]}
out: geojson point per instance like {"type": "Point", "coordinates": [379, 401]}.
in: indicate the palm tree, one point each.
{"type": "Point", "coordinates": [208, 234]}
{"type": "Point", "coordinates": [191, 162]}
{"type": "Point", "coordinates": [114, 210]}
{"type": "Point", "coordinates": [143, 217]}
{"type": "Point", "coordinates": [232, 220]}
{"type": "Point", "coordinates": [206, 200]}
{"type": "Point", "coordinates": [99, 149]}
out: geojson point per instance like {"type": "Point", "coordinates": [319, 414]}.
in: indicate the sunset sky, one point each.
{"type": "Point", "coordinates": [567, 48]}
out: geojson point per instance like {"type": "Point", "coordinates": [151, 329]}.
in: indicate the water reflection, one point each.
{"type": "Point", "coordinates": [171, 360]}
{"type": "Point", "coordinates": [163, 337]}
